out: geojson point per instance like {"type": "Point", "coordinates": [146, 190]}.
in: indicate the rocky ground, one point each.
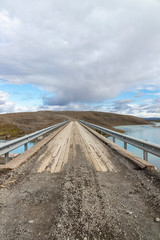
{"type": "Point", "coordinates": [91, 192]}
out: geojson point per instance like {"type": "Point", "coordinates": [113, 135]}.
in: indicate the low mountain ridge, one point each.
{"type": "Point", "coordinates": [28, 122]}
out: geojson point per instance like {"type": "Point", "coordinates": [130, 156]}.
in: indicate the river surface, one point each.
{"type": "Point", "coordinates": [21, 148]}
{"type": "Point", "coordinates": [149, 133]}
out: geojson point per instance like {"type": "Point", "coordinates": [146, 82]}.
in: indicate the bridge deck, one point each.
{"type": "Point", "coordinates": [65, 144]}
{"type": "Point", "coordinates": [78, 188]}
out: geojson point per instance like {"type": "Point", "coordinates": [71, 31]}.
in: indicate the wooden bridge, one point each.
{"type": "Point", "coordinates": [76, 184]}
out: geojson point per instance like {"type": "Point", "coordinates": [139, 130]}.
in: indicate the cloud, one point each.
{"type": "Point", "coordinates": [146, 108]}
{"type": "Point", "coordinates": [82, 52]}
{"type": "Point", "coordinates": [5, 105]}
{"type": "Point", "coordinates": [122, 106]}
{"type": "Point", "coordinates": [138, 95]}
{"type": "Point", "coordinates": [8, 27]}
{"type": "Point", "coordinates": [3, 97]}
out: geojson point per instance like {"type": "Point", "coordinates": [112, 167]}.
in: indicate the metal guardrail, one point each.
{"type": "Point", "coordinates": [146, 146]}
{"type": "Point", "coordinates": [7, 147]}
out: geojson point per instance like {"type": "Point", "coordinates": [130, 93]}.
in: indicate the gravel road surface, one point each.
{"type": "Point", "coordinates": [76, 187]}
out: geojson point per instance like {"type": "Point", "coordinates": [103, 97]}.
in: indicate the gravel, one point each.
{"type": "Point", "coordinates": [80, 202]}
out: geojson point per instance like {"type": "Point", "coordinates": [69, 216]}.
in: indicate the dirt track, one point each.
{"type": "Point", "coordinates": [78, 188]}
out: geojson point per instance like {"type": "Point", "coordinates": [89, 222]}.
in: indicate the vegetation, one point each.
{"type": "Point", "coordinates": [8, 131]}
{"type": "Point", "coordinates": [18, 124]}
{"type": "Point", "coordinates": [119, 130]}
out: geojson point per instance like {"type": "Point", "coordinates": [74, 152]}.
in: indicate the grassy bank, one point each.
{"type": "Point", "coordinates": [9, 131]}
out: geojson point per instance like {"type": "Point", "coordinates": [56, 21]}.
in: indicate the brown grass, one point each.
{"type": "Point", "coordinates": [17, 124]}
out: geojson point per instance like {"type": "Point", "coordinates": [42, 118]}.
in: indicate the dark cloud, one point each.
{"type": "Point", "coordinates": [122, 105]}
{"type": "Point", "coordinates": [149, 108]}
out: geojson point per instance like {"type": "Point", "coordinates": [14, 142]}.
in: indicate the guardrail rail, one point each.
{"type": "Point", "coordinates": [147, 147]}
{"type": "Point", "coordinates": [7, 147]}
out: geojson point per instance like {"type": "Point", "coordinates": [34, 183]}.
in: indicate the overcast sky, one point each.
{"type": "Point", "coordinates": [99, 55]}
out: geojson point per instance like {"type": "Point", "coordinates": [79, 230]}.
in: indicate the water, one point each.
{"type": "Point", "coordinates": [21, 148]}
{"type": "Point", "coordinates": [149, 133]}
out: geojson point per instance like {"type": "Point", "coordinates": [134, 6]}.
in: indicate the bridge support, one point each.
{"type": "Point", "coordinates": [125, 145]}
{"type": "Point", "coordinates": [6, 157]}
{"type": "Point", "coordinates": [25, 147]}
{"type": "Point", "coordinates": [145, 155]}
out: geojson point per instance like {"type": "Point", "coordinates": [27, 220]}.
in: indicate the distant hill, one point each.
{"type": "Point", "coordinates": [153, 119]}
{"type": "Point", "coordinates": [18, 124]}
{"type": "Point", "coordinates": [105, 119]}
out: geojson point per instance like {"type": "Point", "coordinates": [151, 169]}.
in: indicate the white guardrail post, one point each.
{"type": "Point", "coordinates": [7, 147]}
{"type": "Point", "coordinates": [146, 146]}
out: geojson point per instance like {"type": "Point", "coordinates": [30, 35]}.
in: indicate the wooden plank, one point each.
{"type": "Point", "coordinates": [140, 162]}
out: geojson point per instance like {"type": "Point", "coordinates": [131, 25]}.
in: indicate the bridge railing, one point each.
{"type": "Point", "coordinates": [147, 147]}
{"type": "Point", "coordinates": [8, 146]}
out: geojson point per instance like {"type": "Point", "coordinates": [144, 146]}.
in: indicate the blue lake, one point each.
{"type": "Point", "coordinates": [149, 133]}
{"type": "Point", "coordinates": [21, 148]}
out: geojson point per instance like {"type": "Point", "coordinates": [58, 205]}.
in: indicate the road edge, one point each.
{"type": "Point", "coordinates": [22, 158]}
